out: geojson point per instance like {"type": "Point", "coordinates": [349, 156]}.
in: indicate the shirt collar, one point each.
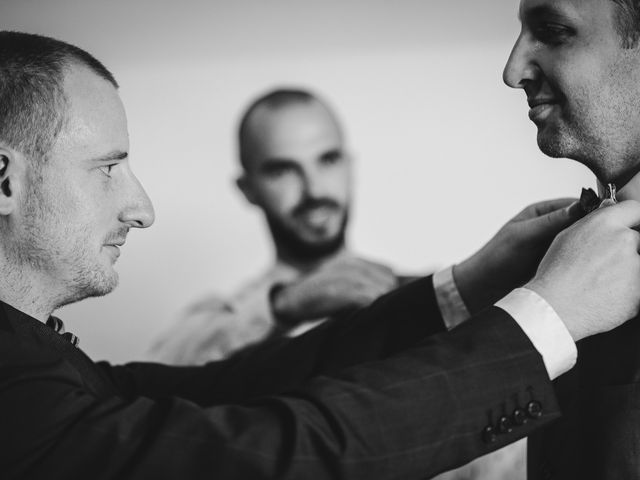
{"type": "Point", "coordinates": [14, 320]}
{"type": "Point", "coordinates": [630, 191]}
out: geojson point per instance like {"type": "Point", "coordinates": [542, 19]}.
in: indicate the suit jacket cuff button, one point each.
{"type": "Point", "coordinates": [534, 409]}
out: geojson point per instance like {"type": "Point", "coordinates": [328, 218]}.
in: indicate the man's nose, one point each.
{"type": "Point", "coordinates": [138, 212]}
{"type": "Point", "coordinates": [314, 184]}
{"type": "Point", "coordinates": [521, 67]}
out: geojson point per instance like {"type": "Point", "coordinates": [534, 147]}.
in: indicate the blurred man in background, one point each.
{"type": "Point", "coordinates": [297, 170]}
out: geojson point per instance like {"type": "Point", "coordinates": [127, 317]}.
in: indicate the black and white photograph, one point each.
{"type": "Point", "coordinates": [351, 240]}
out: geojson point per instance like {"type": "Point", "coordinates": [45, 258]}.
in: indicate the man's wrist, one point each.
{"type": "Point", "coordinates": [464, 276]}
{"type": "Point", "coordinates": [558, 306]}
{"type": "Point", "coordinates": [545, 329]}
{"type": "Point", "coordinates": [451, 305]}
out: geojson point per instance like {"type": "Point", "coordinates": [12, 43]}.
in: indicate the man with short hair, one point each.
{"type": "Point", "coordinates": [297, 170]}
{"type": "Point", "coordinates": [579, 64]}
{"type": "Point", "coordinates": [388, 394]}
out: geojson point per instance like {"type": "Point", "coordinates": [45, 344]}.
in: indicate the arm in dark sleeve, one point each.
{"type": "Point", "coordinates": [392, 323]}
{"type": "Point", "coordinates": [412, 415]}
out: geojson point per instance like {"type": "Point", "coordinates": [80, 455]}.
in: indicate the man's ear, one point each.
{"type": "Point", "coordinates": [245, 186]}
{"type": "Point", "coordinates": [8, 177]}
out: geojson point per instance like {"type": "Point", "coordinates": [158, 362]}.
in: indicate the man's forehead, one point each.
{"type": "Point", "coordinates": [296, 127]}
{"type": "Point", "coordinates": [575, 9]}
{"type": "Point", "coordinates": [95, 121]}
{"type": "Point", "coordinates": [287, 116]}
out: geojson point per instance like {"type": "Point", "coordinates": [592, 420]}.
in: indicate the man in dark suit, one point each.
{"type": "Point", "coordinates": [579, 64]}
{"type": "Point", "coordinates": [388, 394]}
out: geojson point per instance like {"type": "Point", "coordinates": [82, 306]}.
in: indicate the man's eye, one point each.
{"type": "Point", "coordinates": [106, 169]}
{"type": "Point", "coordinates": [552, 33]}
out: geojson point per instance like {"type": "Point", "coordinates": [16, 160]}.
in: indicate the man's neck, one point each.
{"type": "Point", "coordinates": [30, 297]}
{"type": "Point", "coordinates": [630, 191]}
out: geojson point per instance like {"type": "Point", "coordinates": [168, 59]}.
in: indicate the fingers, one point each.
{"type": "Point", "coordinates": [590, 271]}
{"type": "Point", "coordinates": [380, 275]}
{"type": "Point", "coordinates": [550, 224]}
{"type": "Point", "coordinates": [362, 281]}
{"type": "Point", "coordinates": [626, 213]}
{"type": "Point", "coordinates": [546, 206]}
{"type": "Point", "coordinates": [346, 280]}
{"type": "Point", "coordinates": [364, 269]}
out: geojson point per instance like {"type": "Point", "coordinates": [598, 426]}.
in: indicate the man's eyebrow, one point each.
{"type": "Point", "coordinates": [118, 155]}
{"type": "Point", "coordinates": [542, 11]}
{"type": "Point", "coordinates": [332, 153]}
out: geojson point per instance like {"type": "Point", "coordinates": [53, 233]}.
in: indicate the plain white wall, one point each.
{"type": "Point", "coordinates": [445, 152]}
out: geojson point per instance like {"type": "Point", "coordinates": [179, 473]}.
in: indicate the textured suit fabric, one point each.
{"type": "Point", "coordinates": [385, 395]}
{"type": "Point", "coordinates": [599, 435]}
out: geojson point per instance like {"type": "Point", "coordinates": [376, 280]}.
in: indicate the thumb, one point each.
{"type": "Point", "coordinates": [550, 224]}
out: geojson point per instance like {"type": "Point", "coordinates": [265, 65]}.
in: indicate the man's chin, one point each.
{"type": "Point", "coordinates": [318, 236]}
{"type": "Point", "coordinates": [97, 284]}
{"type": "Point", "coordinates": [105, 288]}
{"type": "Point", "coordinates": [309, 243]}
{"type": "Point", "coordinates": [315, 247]}
{"type": "Point", "coordinates": [551, 143]}
{"type": "Point", "coordinates": [321, 245]}
{"type": "Point", "coordinates": [84, 293]}
{"type": "Point", "coordinates": [107, 283]}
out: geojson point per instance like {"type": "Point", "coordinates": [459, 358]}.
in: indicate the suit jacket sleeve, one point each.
{"type": "Point", "coordinates": [415, 413]}
{"type": "Point", "coordinates": [392, 323]}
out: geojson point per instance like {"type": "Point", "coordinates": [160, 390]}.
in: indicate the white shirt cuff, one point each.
{"type": "Point", "coordinates": [451, 305]}
{"type": "Point", "coordinates": [543, 326]}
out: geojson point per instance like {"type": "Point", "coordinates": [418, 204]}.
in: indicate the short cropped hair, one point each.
{"type": "Point", "coordinates": [274, 100]}
{"type": "Point", "coordinates": [32, 102]}
{"type": "Point", "coordinates": [628, 22]}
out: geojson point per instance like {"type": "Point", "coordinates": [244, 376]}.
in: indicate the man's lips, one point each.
{"type": "Point", "coordinates": [534, 102]}
{"type": "Point", "coordinates": [115, 244]}
{"type": "Point", "coordinates": [317, 217]}
{"type": "Point", "coordinates": [114, 247]}
{"type": "Point", "coordinates": [540, 107]}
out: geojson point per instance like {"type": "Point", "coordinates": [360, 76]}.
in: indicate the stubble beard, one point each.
{"type": "Point", "coordinates": [88, 284]}
{"type": "Point", "coordinates": [585, 149]}
{"type": "Point", "coordinates": [287, 239]}
{"type": "Point", "coordinates": [62, 256]}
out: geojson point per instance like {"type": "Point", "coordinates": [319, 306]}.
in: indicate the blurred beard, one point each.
{"type": "Point", "coordinates": [303, 250]}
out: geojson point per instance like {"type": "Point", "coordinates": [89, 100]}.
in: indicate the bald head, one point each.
{"type": "Point", "coordinates": [284, 107]}
{"type": "Point", "coordinates": [297, 171]}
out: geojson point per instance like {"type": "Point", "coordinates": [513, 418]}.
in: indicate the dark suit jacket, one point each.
{"type": "Point", "coordinates": [383, 395]}
{"type": "Point", "coordinates": [599, 435]}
